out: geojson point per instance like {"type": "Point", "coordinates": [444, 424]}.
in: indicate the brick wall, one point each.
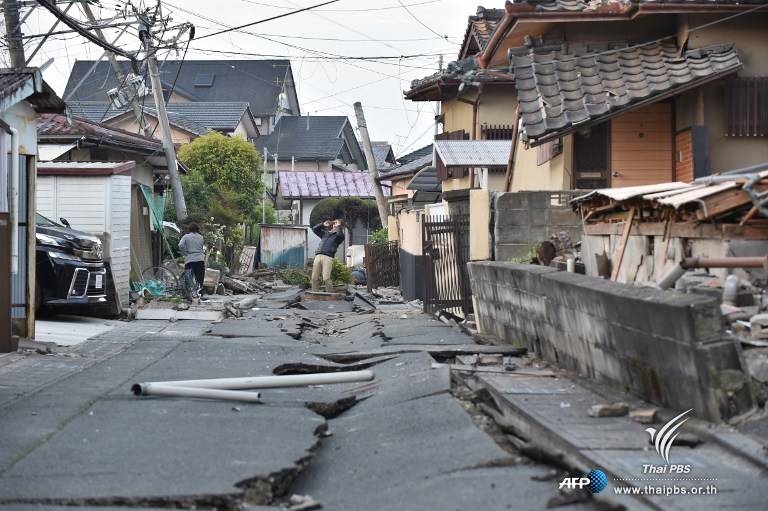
{"type": "Point", "coordinates": [522, 220]}
{"type": "Point", "coordinates": [661, 346]}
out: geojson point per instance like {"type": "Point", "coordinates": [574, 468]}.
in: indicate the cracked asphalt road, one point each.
{"type": "Point", "coordinates": [400, 442]}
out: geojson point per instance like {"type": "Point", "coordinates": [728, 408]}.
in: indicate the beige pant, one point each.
{"type": "Point", "coordinates": [322, 264]}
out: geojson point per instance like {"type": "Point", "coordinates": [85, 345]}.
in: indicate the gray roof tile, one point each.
{"type": "Point", "coordinates": [306, 137]}
{"type": "Point", "coordinates": [257, 82]}
{"type": "Point", "coordinates": [559, 90]}
{"type": "Point", "coordinates": [195, 117]}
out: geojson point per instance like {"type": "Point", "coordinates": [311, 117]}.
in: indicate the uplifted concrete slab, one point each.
{"type": "Point", "coordinates": [172, 449]}
{"type": "Point", "coordinates": [254, 328]}
{"type": "Point", "coordinates": [375, 446]}
{"type": "Point", "coordinates": [424, 335]}
{"type": "Point", "coordinates": [328, 305]}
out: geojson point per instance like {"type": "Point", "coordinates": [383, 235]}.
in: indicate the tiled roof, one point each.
{"type": "Point", "coordinates": [560, 91]}
{"type": "Point", "coordinates": [482, 27]}
{"type": "Point", "coordinates": [478, 153]}
{"type": "Point", "coordinates": [12, 80]}
{"type": "Point", "coordinates": [418, 153]}
{"type": "Point", "coordinates": [382, 153]}
{"type": "Point", "coordinates": [425, 181]}
{"type": "Point", "coordinates": [195, 117]}
{"type": "Point", "coordinates": [257, 82]}
{"type": "Point", "coordinates": [306, 137]}
{"type": "Point", "coordinates": [409, 168]}
{"type": "Point", "coordinates": [306, 185]}
{"type": "Point", "coordinates": [29, 82]}
{"type": "Point", "coordinates": [615, 6]}
{"type": "Point", "coordinates": [57, 127]}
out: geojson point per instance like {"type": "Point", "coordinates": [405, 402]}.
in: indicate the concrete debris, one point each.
{"type": "Point", "coordinates": [758, 326]}
{"type": "Point", "coordinates": [757, 363]}
{"type": "Point", "coordinates": [644, 416]}
{"type": "Point", "coordinates": [610, 410]}
{"type": "Point", "coordinates": [303, 503]}
{"type": "Point", "coordinates": [211, 280]}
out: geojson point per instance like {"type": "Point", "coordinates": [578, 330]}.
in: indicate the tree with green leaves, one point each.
{"type": "Point", "coordinates": [223, 184]}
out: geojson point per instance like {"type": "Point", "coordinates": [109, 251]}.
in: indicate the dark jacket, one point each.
{"type": "Point", "coordinates": [329, 240]}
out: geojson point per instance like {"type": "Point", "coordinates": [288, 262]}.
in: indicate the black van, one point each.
{"type": "Point", "coordinates": [70, 268]}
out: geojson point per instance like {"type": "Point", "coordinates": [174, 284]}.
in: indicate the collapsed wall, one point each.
{"type": "Point", "coordinates": [662, 346]}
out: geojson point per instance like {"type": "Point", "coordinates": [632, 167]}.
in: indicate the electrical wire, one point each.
{"type": "Point", "coordinates": [440, 36]}
{"type": "Point", "coordinates": [297, 11]}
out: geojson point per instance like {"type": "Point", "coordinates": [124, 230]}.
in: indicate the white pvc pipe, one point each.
{"type": "Point", "coordinates": [159, 389]}
{"type": "Point", "coordinates": [14, 200]}
{"type": "Point", "coordinates": [270, 382]}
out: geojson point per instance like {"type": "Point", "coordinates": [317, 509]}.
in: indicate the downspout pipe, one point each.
{"type": "Point", "coordinates": [263, 382]}
{"type": "Point", "coordinates": [14, 217]}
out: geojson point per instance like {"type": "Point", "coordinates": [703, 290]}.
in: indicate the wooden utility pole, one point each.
{"type": "Point", "coordinates": [13, 33]}
{"type": "Point", "coordinates": [165, 127]}
{"type": "Point", "coordinates": [138, 112]}
{"type": "Point", "coordinates": [374, 173]}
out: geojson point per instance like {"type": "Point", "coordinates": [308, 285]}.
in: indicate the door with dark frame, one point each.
{"type": "Point", "coordinates": [591, 157]}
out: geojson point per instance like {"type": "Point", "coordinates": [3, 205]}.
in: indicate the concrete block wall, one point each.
{"type": "Point", "coordinates": [662, 346]}
{"type": "Point", "coordinates": [522, 220]}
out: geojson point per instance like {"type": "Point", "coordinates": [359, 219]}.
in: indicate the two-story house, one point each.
{"type": "Point", "coordinates": [611, 93]}
{"type": "Point", "coordinates": [267, 86]}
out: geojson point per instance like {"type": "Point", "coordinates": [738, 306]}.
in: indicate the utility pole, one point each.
{"type": "Point", "coordinates": [374, 173]}
{"type": "Point", "coordinates": [165, 127]}
{"type": "Point", "coordinates": [137, 110]}
{"type": "Point", "coordinates": [13, 33]}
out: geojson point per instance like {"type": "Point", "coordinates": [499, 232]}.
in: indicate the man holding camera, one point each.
{"type": "Point", "coordinates": [331, 234]}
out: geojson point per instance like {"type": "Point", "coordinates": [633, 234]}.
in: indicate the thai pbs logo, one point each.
{"type": "Point", "coordinates": [595, 481]}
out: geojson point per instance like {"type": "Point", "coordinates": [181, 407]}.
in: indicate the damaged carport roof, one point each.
{"type": "Point", "coordinates": [563, 90]}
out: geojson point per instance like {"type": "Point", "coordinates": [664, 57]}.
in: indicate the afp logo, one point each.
{"type": "Point", "coordinates": [595, 481]}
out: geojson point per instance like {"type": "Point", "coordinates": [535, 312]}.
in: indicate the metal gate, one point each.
{"type": "Point", "coordinates": [446, 253]}
{"type": "Point", "coordinates": [382, 264]}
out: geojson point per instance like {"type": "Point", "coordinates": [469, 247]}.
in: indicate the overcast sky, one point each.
{"type": "Point", "coordinates": [359, 28]}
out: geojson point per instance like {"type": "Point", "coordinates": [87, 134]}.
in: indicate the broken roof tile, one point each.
{"type": "Point", "coordinates": [554, 99]}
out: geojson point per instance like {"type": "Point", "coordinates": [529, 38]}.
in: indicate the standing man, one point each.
{"type": "Point", "coordinates": [331, 234]}
{"type": "Point", "coordinates": [191, 246]}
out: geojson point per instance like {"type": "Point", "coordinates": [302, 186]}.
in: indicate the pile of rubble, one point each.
{"type": "Point", "coordinates": [256, 282]}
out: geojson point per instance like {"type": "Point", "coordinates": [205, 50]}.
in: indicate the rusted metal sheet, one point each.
{"type": "Point", "coordinates": [283, 246]}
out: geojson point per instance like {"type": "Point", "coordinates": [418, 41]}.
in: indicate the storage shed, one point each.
{"type": "Point", "coordinates": [283, 246]}
{"type": "Point", "coordinates": [94, 197]}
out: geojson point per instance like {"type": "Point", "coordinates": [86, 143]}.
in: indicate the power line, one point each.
{"type": "Point", "coordinates": [369, 9]}
{"type": "Point", "coordinates": [441, 36]}
{"type": "Point", "coordinates": [267, 19]}
{"type": "Point", "coordinates": [74, 25]}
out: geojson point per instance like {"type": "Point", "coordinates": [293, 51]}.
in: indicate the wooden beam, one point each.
{"type": "Point", "coordinates": [512, 150]}
{"type": "Point", "coordinates": [623, 243]}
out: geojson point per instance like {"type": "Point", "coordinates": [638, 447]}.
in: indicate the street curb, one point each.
{"type": "Point", "coordinates": [540, 433]}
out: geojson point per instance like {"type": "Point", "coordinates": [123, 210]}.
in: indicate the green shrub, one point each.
{"type": "Point", "coordinates": [294, 277]}
{"type": "Point", "coordinates": [380, 236]}
{"type": "Point", "coordinates": [341, 273]}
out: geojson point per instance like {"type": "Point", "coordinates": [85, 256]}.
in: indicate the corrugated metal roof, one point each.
{"type": "Point", "coordinates": [473, 153]}
{"type": "Point", "coordinates": [696, 193]}
{"type": "Point", "coordinates": [307, 185]}
{"type": "Point", "coordinates": [629, 192]}
{"type": "Point", "coordinates": [84, 168]}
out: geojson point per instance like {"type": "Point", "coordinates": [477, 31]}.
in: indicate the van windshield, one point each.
{"type": "Point", "coordinates": [45, 222]}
